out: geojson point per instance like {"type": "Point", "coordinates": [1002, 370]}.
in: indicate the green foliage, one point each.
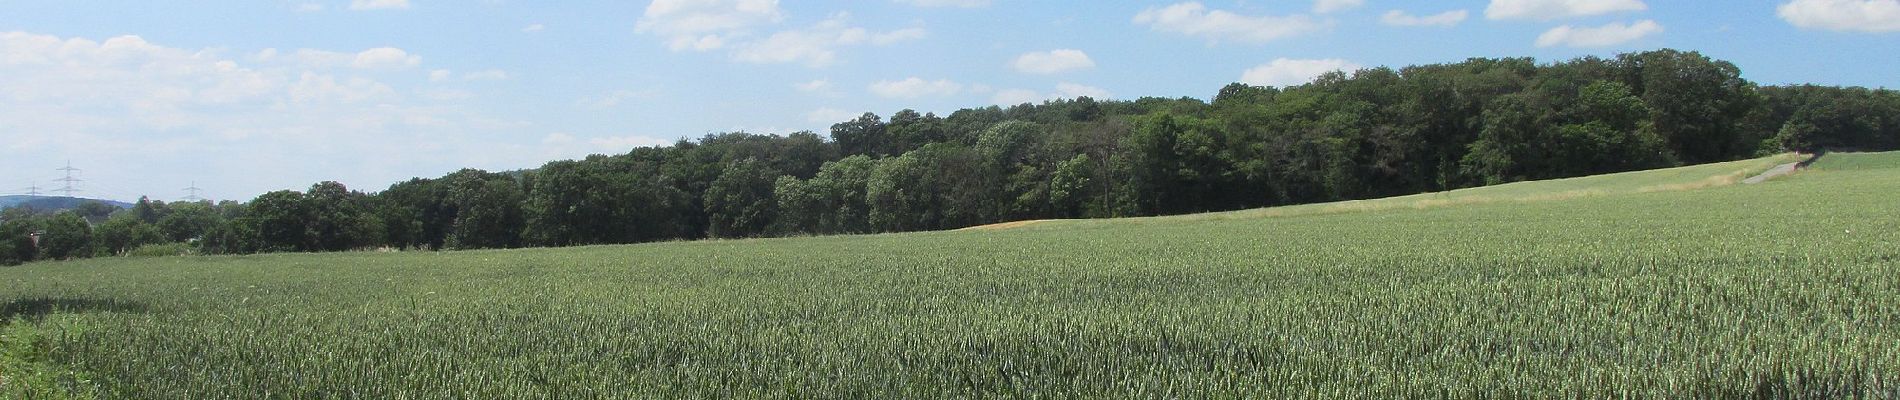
{"type": "Point", "coordinates": [338, 219]}
{"type": "Point", "coordinates": [67, 236]}
{"type": "Point", "coordinates": [487, 209]}
{"type": "Point", "coordinates": [148, 211]}
{"type": "Point", "coordinates": [831, 202]}
{"type": "Point", "coordinates": [740, 203]}
{"type": "Point", "coordinates": [275, 221]}
{"type": "Point", "coordinates": [125, 232]}
{"type": "Point", "coordinates": [17, 225]}
{"type": "Point", "coordinates": [1755, 291]}
{"type": "Point", "coordinates": [27, 369]}
{"type": "Point", "coordinates": [938, 186]}
{"type": "Point", "coordinates": [160, 250]}
{"type": "Point", "coordinates": [189, 221]}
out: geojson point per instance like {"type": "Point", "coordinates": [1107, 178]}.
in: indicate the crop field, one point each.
{"type": "Point", "coordinates": [1671, 283]}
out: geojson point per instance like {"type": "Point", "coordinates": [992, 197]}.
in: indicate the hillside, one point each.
{"type": "Point", "coordinates": [1666, 283]}
{"type": "Point", "coordinates": [52, 202]}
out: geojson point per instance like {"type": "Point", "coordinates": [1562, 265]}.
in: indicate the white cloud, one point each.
{"type": "Point", "coordinates": [310, 7]}
{"type": "Point", "coordinates": [485, 75]}
{"type": "Point", "coordinates": [1053, 61]}
{"type": "Point", "coordinates": [1871, 16]}
{"type": "Point", "coordinates": [1333, 6]}
{"type": "Point", "coordinates": [443, 75]}
{"type": "Point", "coordinates": [1545, 10]}
{"type": "Point", "coordinates": [1194, 19]}
{"type": "Point", "coordinates": [817, 46]}
{"type": "Point", "coordinates": [446, 94]}
{"type": "Point", "coordinates": [703, 25]}
{"type": "Point", "coordinates": [1444, 19]}
{"type": "Point", "coordinates": [532, 28]}
{"type": "Point", "coordinates": [947, 3]}
{"type": "Point", "coordinates": [815, 86]}
{"type": "Point", "coordinates": [1064, 90]}
{"type": "Point", "coordinates": [384, 58]}
{"type": "Point", "coordinates": [240, 122]}
{"type": "Point", "coordinates": [379, 4]}
{"type": "Point", "coordinates": [829, 115]}
{"type": "Point", "coordinates": [900, 35]}
{"type": "Point", "coordinates": [314, 87]}
{"type": "Point", "coordinates": [1601, 36]}
{"type": "Point", "coordinates": [1283, 72]}
{"type": "Point", "coordinates": [915, 87]}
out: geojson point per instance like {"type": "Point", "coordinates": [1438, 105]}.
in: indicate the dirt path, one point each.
{"type": "Point", "coordinates": [1005, 225]}
{"type": "Point", "coordinates": [1784, 169]}
{"type": "Point", "coordinates": [1772, 173]}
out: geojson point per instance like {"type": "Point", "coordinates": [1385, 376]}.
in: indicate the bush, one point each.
{"type": "Point", "coordinates": [160, 250]}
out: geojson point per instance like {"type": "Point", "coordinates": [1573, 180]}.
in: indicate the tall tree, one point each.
{"type": "Point", "coordinates": [67, 236]}
{"type": "Point", "coordinates": [740, 202]}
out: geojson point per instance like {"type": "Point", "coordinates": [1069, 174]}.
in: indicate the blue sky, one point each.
{"type": "Point", "coordinates": [243, 97]}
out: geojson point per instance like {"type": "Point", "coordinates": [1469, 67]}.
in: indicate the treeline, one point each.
{"type": "Point", "coordinates": [1372, 133]}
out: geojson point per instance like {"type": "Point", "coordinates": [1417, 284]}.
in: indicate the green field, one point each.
{"type": "Point", "coordinates": [1671, 283]}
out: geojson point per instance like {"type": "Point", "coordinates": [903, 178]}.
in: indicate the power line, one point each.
{"type": "Point", "coordinates": [193, 193]}
{"type": "Point", "coordinates": [69, 189]}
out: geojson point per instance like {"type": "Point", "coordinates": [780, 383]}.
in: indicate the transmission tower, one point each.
{"type": "Point", "coordinates": [192, 193]}
{"type": "Point", "coordinates": [69, 180]}
{"type": "Point", "coordinates": [33, 191]}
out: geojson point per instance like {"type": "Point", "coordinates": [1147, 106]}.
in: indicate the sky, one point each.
{"type": "Point", "coordinates": [242, 97]}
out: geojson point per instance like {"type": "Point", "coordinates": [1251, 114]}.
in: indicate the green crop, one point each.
{"type": "Point", "coordinates": [1633, 288]}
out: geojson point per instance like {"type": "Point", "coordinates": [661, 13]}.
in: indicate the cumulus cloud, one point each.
{"type": "Point", "coordinates": [486, 75]}
{"type": "Point", "coordinates": [379, 4]}
{"type": "Point", "coordinates": [1332, 6]}
{"type": "Point", "coordinates": [1600, 36]}
{"type": "Point", "coordinates": [1053, 61]}
{"type": "Point", "coordinates": [532, 28]}
{"type": "Point", "coordinates": [377, 58]}
{"type": "Point", "coordinates": [914, 87]}
{"type": "Point", "coordinates": [814, 86]}
{"type": "Point", "coordinates": [703, 25]}
{"type": "Point", "coordinates": [1194, 19]}
{"type": "Point", "coordinates": [817, 46]}
{"type": "Point", "coordinates": [253, 122]}
{"type": "Point", "coordinates": [1064, 90]}
{"type": "Point", "coordinates": [1545, 10]}
{"type": "Point", "coordinates": [947, 3]}
{"type": "Point", "coordinates": [384, 58]}
{"type": "Point", "coordinates": [1283, 72]}
{"type": "Point", "coordinates": [1871, 16]}
{"type": "Point", "coordinates": [900, 35]}
{"type": "Point", "coordinates": [1444, 19]}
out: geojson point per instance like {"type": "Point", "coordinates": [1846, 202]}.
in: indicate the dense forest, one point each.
{"type": "Point", "coordinates": [1370, 133]}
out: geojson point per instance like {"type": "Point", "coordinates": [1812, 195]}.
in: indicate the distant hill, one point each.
{"type": "Point", "coordinates": [53, 202]}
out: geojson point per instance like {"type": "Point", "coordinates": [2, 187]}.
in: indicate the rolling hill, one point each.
{"type": "Point", "coordinates": [53, 202]}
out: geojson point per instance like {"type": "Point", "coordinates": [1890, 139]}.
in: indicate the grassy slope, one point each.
{"type": "Point", "coordinates": [1787, 286]}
